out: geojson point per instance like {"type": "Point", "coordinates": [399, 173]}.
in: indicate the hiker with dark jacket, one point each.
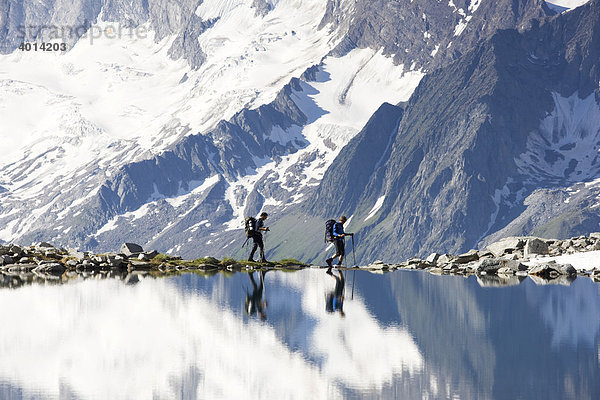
{"type": "Point", "coordinates": [335, 300]}
{"type": "Point", "coordinates": [258, 238]}
{"type": "Point", "coordinates": [338, 241]}
{"type": "Point", "coordinates": [255, 304]}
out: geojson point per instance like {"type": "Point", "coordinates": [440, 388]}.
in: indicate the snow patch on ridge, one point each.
{"type": "Point", "coordinates": [376, 207]}
{"type": "Point", "coordinates": [565, 4]}
{"type": "Point", "coordinates": [566, 147]}
{"type": "Point", "coordinates": [338, 103]}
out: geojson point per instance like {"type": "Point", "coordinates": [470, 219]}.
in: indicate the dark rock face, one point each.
{"type": "Point", "coordinates": [131, 248]}
{"type": "Point", "coordinates": [451, 178]}
{"type": "Point", "coordinates": [34, 20]}
{"type": "Point", "coordinates": [262, 7]}
{"type": "Point", "coordinates": [430, 33]}
{"type": "Point", "coordinates": [343, 185]}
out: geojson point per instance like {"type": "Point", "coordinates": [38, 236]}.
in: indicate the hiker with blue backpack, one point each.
{"type": "Point", "coordinates": [334, 232]}
{"type": "Point", "coordinates": [254, 228]}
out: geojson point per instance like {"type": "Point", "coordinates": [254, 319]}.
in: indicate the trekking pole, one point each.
{"type": "Point", "coordinates": [353, 272]}
{"type": "Point", "coordinates": [353, 253]}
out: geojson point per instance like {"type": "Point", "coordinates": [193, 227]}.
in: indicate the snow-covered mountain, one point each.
{"type": "Point", "coordinates": [201, 112]}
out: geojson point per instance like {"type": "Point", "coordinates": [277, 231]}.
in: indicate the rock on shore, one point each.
{"type": "Point", "coordinates": [505, 262]}
{"type": "Point", "coordinates": [543, 259]}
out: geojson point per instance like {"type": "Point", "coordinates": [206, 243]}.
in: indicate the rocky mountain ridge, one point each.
{"type": "Point", "coordinates": [464, 162]}
{"type": "Point", "coordinates": [407, 194]}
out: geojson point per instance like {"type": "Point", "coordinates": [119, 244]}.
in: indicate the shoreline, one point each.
{"type": "Point", "coordinates": [507, 261]}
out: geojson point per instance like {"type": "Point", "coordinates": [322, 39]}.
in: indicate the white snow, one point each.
{"type": "Point", "coordinates": [128, 216]}
{"type": "Point", "coordinates": [347, 91]}
{"type": "Point", "coordinates": [376, 207]}
{"type": "Point", "coordinates": [474, 6]}
{"type": "Point", "coordinates": [567, 136]}
{"type": "Point", "coordinates": [452, 5]}
{"type": "Point", "coordinates": [201, 187]}
{"type": "Point", "coordinates": [584, 261]}
{"type": "Point", "coordinates": [102, 105]}
{"type": "Point", "coordinates": [462, 24]}
{"type": "Point", "coordinates": [568, 4]}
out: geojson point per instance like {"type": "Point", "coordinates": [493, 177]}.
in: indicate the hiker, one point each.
{"type": "Point", "coordinates": [335, 299]}
{"type": "Point", "coordinates": [258, 238]}
{"type": "Point", "coordinates": [254, 301]}
{"type": "Point", "coordinates": [338, 241]}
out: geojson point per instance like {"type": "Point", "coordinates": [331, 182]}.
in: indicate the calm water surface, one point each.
{"type": "Point", "coordinates": [305, 335]}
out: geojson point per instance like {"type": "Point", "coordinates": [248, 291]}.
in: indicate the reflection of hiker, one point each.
{"type": "Point", "coordinates": [335, 233]}
{"type": "Point", "coordinates": [254, 301]}
{"type": "Point", "coordinates": [335, 299]}
{"type": "Point", "coordinates": [255, 232]}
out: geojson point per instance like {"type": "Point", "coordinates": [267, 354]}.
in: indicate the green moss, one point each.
{"type": "Point", "coordinates": [162, 257]}
{"type": "Point", "coordinates": [290, 261]}
{"type": "Point", "coordinates": [228, 261]}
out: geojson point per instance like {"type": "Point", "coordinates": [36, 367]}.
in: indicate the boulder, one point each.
{"type": "Point", "coordinates": [471, 255]}
{"type": "Point", "coordinates": [506, 246]}
{"type": "Point", "coordinates": [88, 265]}
{"type": "Point", "coordinates": [379, 266]}
{"type": "Point", "coordinates": [567, 269]}
{"type": "Point", "coordinates": [506, 271]}
{"type": "Point", "coordinates": [514, 265]}
{"type": "Point", "coordinates": [546, 270]}
{"type": "Point", "coordinates": [433, 258]}
{"type": "Point", "coordinates": [445, 259]}
{"type": "Point", "coordinates": [4, 260]}
{"type": "Point", "coordinates": [151, 254]}
{"type": "Point", "coordinates": [139, 265]}
{"type": "Point", "coordinates": [488, 265]}
{"type": "Point", "coordinates": [77, 254]}
{"type": "Point", "coordinates": [51, 268]}
{"type": "Point", "coordinates": [535, 246]}
{"type": "Point", "coordinates": [16, 250]}
{"type": "Point", "coordinates": [486, 254]}
{"type": "Point", "coordinates": [130, 249]}
{"type": "Point", "coordinates": [116, 261]}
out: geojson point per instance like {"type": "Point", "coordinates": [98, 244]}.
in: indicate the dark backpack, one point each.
{"type": "Point", "coordinates": [250, 226]}
{"type": "Point", "coordinates": [329, 230]}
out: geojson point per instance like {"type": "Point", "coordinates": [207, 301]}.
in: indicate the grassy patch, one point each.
{"type": "Point", "coordinates": [228, 261]}
{"type": "Point", "coordinates": [290, 261]}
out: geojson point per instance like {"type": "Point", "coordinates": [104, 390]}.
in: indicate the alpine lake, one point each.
{"type": "Point", "coordinates": [304, 334]}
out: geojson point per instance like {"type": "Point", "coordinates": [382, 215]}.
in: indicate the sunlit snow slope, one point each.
{"type": "Point", "coordinates": [73, 124]}
{"type": "Point", "coordinates": [69, 121]}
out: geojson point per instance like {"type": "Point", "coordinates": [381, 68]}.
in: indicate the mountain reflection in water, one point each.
{"type": "Point", "coordinates": [405, 334]}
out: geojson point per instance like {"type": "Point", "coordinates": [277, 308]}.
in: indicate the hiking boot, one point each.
{"type": "Point", "coordinates": [328, 261]}
{"type": "Point", "coordinates": [251, 259]}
